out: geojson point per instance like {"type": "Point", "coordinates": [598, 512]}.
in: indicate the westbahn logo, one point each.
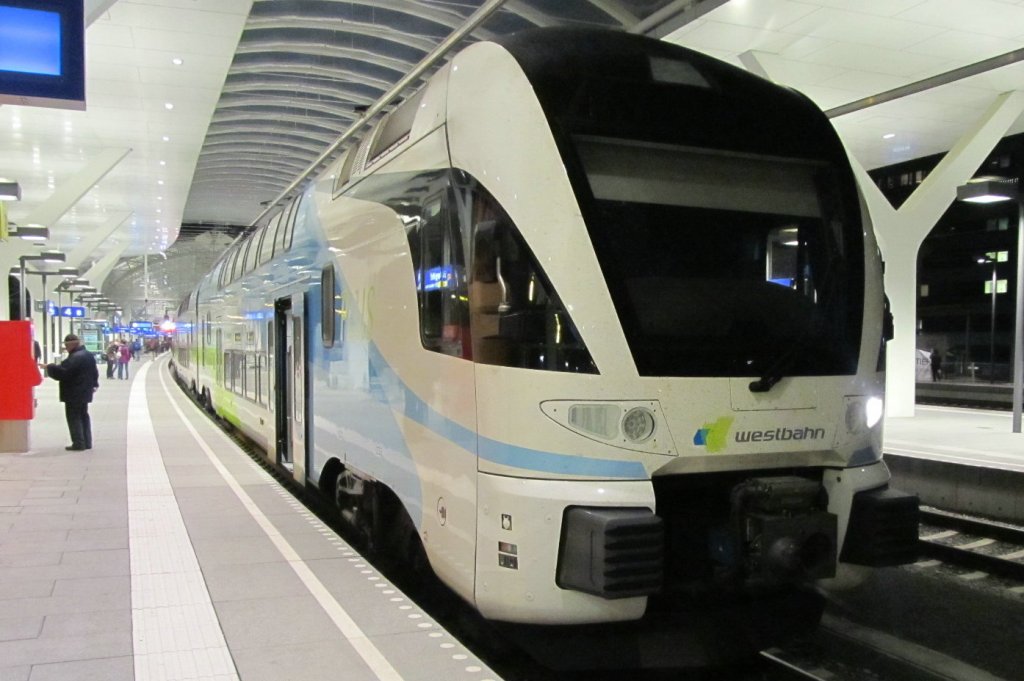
{"type": "Point", "coordinates": [715, 436]}
{"type": "Point", "coordinates": [780, 434]}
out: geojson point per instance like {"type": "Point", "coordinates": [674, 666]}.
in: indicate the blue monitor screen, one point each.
{"type": "Point", "coordinates": [42, 53]}
{"type": "Point", "coordinates": [30, 41]}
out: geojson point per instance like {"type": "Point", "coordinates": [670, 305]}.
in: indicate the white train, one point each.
{"type": "Point", "coordinates": [591, 322]}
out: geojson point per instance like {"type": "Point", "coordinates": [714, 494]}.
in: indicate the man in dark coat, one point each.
{"type": "Point", "coordinates": [79, 379]}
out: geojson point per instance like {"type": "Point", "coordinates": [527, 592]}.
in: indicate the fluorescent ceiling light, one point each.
{"type": "Point", "coordinates": [10, 190]}
{"type": "Point", "coordinates": [31, 232]}
{"type": "Point", "coordinates": [987, 191]}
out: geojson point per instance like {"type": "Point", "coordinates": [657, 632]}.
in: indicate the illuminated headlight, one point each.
{"type": "Point", "coordinates": [873, 410]}
{"type": "Point", "coordinates": [863, 413]}
{"type": "Point", "coordinates": [638, 424]}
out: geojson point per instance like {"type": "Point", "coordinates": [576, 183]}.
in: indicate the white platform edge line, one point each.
{"type": "Point", "coordinates": [374, 659]}
{"type": "Point", "coordinates": [167, 637]}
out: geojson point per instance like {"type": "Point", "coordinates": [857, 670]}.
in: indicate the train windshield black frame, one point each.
{"type": "Point", "coordinates": [719, 262]}
{"type": "Point", "coordinates": [687, 267]}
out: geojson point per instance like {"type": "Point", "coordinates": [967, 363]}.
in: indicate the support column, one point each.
{"type": "Point", "coordinates": [900, 233]}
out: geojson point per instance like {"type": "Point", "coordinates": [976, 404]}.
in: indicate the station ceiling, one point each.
{"type": "Point", "coordinates": [199, 112]}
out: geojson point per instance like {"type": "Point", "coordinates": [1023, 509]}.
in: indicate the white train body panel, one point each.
{"type": "Point", "coordinates": [499, 465]}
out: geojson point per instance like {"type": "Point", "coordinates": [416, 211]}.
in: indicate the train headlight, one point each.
{"type": "Point", "coordinates": [873, 410]}
{"type": "Point", "coordinates": [863, 413]}
{"type": "Point", "coordinates": [638, 424]}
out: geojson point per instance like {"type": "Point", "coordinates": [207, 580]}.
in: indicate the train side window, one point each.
{"type": "Point", "coordinates": [344, 169]}
{"type": "Point", "coordinates": [251, 381]}
{"type": "Point", "coordinates": [437, 247]}
{"type": "Point", "coordinates": [243, 256]}
{"type": "Point", "coordinates": [267, 369]}
{"type": "Point", "coordinates": [327, 306]}
{"type": "Point", "coordinates": [280, 239]}
{"type": "Point", "coordinates": [234, 270]}
{"type": "Point", "coordinates": [517, 318]}
{"type": "Point", "coordinates": [297, 217]}
{"type": "Point", "coordinates": [225, 271]}
{"type": "Point", "coordinates": [441, 280]}
{"type": "Point", "coordinates": [267, 244]}
{"type": "Point", "coordinates": [252, 250]}
{"type": "Point", "coordinates": [239, 261]}
{"type": "Point", "coordinates": [222, 269]}
{"type": "Point", "coordinates": [395, 128]}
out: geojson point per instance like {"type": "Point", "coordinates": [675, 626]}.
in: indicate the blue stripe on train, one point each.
{"type": "Point", "coordinates": [503, 453]}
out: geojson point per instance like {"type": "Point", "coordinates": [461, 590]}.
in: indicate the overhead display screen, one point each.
{"type": "Point", "coordinates": [42, 53]}
{"type": "Point", "coordinates": [29, 41]}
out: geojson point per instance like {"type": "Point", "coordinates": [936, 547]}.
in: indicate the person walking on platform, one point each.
{"type": "Point", "coordinates": [123, 358]}
{"type": "Point", "coordinates": [113, 354]}
{"type": "Point", "coordinates": [936, 361]}
{"type": "Point", "coordinates": [79, 379]}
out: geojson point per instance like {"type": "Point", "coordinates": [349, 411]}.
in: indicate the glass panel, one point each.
{"type": "Point", "coordinates": [267, 243]}
{"type": "Point", "coordinates": [250, 375]}
{"type": "Point", "coordinates": [296, 218]}
{"type": "Point", "coordinates": [719, 263]}
{"type": "Point", "coordinates": [516, 317]}
{"type": "Point", "coordinates": [437, 251]}
{"type": "Point", "coordinates": [327, 306]}
{"type": "Point", "coordinates": [441, 281]}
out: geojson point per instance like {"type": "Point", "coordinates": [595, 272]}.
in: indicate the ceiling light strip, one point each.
{"type": "Point", "coordinates": [474, 20]}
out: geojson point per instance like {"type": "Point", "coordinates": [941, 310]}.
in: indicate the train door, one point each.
{"type": "Point", "coordinates": [290, 379]}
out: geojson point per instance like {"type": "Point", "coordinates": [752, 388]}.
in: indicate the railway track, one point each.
{"type": "Point", "coordinates": [972, 543]}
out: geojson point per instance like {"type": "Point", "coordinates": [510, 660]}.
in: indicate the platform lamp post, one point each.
{"type": "Point", "coordinates": [69, 285]}
{"type": "Point", "coordinates": [992, 259]}
{"type": "Point", "coordinates": [66, 274]}
{"type": "Point", "coordinates": [80, 290]}
{"type": "Point", "coordinates": [989, 190]}
{"type": "Point", "coordinates": [45, 256]}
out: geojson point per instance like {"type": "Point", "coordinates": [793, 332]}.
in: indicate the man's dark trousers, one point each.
{"type": "Point", "coordinates": [79, 424]}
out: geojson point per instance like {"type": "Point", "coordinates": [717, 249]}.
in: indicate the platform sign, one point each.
{"type": "Point", "coordinates": [51, 309]}
{"type": "Point", "coordinates": [73, 312]}
{"type": "Point", "coordinates": [142, 326]}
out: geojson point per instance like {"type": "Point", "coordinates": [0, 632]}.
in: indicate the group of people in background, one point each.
{"type": "Point", "coordinates": [120, 353]}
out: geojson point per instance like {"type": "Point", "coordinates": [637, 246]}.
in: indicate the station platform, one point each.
{"type": "Point", "coordinates": [959, 460]}
{"type": "Point", "coordinates": [166, 553]}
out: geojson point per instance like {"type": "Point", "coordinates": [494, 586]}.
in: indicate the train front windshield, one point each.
{"type": "Point", "coordinates": [720, 263]}
{"type": "Point", "coordinates": [722, 208]}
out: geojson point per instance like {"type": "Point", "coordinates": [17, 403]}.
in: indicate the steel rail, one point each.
{"type": "Point", "coordinates": [788, 668]}
{"type": "Point", "coordinates": [970, 559]}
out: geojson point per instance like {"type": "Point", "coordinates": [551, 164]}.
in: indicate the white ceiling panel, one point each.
{"type": "Point", "coordinates": [984, 17]}
{"type": "Point", "coordinates": [772, 15]}
{"type": "Point", "coordinates": [961, 47]}
{"type": "Point", "coordinates": [881, 8]}
{"type": "Point", "coordinates": [859, 28]}
{"type": "Point", "coordinates": [834, 51]}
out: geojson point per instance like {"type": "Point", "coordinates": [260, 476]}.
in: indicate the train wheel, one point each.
{"type": "Point", "coordinates": [355, 501]}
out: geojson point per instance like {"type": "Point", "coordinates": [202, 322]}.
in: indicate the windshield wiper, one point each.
{"type": "Point", "coordinates": [776, 371]}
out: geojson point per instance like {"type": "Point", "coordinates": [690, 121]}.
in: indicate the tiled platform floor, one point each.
{"type": "Point", "coordinates": [165, 553]}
